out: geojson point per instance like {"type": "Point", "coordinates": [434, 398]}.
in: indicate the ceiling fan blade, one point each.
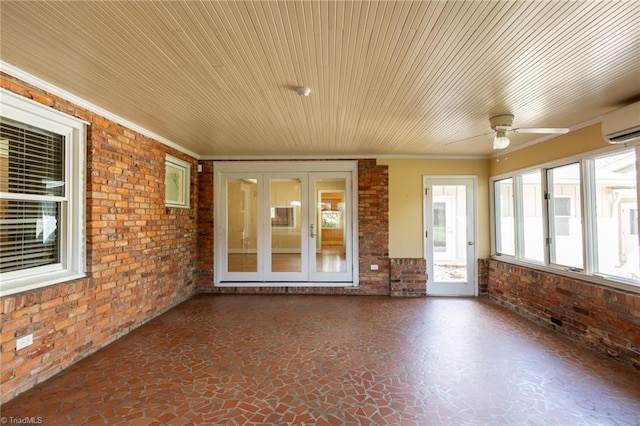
{"type": "Point", "coordinates": [469, 138]}
{"type": "Point", "coordinates": [553, 130]}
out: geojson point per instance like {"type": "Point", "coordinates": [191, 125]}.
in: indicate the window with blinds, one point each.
{"type": "Point", "coordinates": [42, 195]}
{"type": "Point", "coordinates": [32, 189]}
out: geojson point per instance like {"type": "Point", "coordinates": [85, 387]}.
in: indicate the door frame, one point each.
{"type": "Point", "coordinates": [266, 167]}
{"type": "Point", "coordinates": [472, 234]}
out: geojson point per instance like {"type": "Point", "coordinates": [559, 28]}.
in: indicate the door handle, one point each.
{"type": "Point", "coordinates": [311, 233]}
{"type": "Point", "coordinates": [470, 243]}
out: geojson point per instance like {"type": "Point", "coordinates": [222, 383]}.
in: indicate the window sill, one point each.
{"type": "Point", "coordinates": [34, 282]}
{"type": "Point", "coordinates": [594, 279]}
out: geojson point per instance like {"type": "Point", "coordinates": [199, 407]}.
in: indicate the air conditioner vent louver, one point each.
{"type": "Point", "coordinates": [622, 125]}
{"type": "Point", "coordinates": [625, 137]}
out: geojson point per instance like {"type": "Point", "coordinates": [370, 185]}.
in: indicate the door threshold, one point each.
{"type": "Point", "coordinates": [285, 284]}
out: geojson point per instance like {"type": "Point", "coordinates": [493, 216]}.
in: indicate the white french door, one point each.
{"type": "Point", "coordinates": [450, 235]}
{"type": "Point", "coordinates": [285, 218]}
{"type": "Point", "coordinates": [278, 227]}
{"type": "Point", "coordinates": [331, 227]}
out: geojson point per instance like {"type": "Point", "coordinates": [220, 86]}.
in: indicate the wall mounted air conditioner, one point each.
{"type": "Point", "coordinates": [622, 125]}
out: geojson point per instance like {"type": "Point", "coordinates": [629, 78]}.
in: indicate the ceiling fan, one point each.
{"type": "Point", "coordinates": [503, 125]}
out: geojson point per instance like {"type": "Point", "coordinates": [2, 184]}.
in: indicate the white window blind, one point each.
{"type": "Point", "coordinates": [32, 184]}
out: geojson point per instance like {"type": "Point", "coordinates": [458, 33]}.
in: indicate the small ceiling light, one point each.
{"type": "Point", "coordinates": [501, 141]}
{"type": "Point", "coordinates": [303, 91]}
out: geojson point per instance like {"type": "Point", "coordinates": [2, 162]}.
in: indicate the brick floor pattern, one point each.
{"type": "Point", "coordinates": [336, 360]}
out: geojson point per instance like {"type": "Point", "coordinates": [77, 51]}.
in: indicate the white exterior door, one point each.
{"type": "Point", "coordinates": [450, 235]}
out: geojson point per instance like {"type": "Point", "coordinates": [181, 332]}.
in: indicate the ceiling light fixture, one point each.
{"type": "Point", "coordinates": [501, 141]}
{"type": "Point", "coordinates": [303, 91]}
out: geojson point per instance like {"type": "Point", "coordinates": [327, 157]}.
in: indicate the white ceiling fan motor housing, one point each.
{"type": "Point", "coordinates": [502, 122]}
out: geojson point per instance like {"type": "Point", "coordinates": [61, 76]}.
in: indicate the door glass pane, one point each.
{"type": "Point", "coordinates": [505, 234]}
{"type": "Point", "coordinates": [439, 226]}
{"type": "Point", "coordinates": [532, 215]}
{"type": "Point", "coordinates": [242, 236]}
{"type": "Point", "coordinates": [565, 217]}
{"type": "Point", "coordinates": [286, 225]}
{"type": "Point", "coordinates": [617, 215]}
{"type": "Point", "coordinates": [450, 233]}
{"type": "Point", "coordinates": [330, 238]}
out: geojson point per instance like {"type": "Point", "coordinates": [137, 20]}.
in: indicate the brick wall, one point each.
{"type": "Point", "coordinates": [408, 277]}
{"type": "Point", "coordinates": [483, 276]}
{"type": "Point", "coordinates": [373, 226]}
{"type": "Point", "coordinates": [604, 318]}
{"type": "Point", "coordinates": [373, 237]}
{"type": "Point", "coordinates": [205, 226]}
{"type": "Point", "coordinates": [140, 255]}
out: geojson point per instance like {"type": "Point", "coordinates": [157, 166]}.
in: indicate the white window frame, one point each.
{"type": "Point", "coordinates": [72, 263]}
{"type": "Point", "coordinates": [588, 272]}
{"type": "Point", "coordinates": [497, 233]}
{"type": "Point", "coordinates": [183, 201]}
{"type": "Point", "coordinates": [520, 215]}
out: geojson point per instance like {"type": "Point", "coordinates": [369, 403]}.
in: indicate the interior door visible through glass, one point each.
{"type": "Point", "coordinates": [330, 227]}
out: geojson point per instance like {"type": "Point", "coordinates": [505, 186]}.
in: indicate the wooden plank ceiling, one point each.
{"type": "Point", "coordinates": [386, 77]}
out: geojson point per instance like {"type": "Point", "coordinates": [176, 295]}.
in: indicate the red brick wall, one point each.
{"type": "Point", "coordinates": [205, 226]}
{"type": "Point", "coordinates": [373, 217]}
{"type": "Point", "coordinates": [604, 318]}
{"type": "Point", "coordinates": [408, 277]}
{"type": "Point", "coordinates": [373, 226]}
{"type": "Point", "coordinates": [483, 275]}
{"type": "Point", "coordinates": [140, 255]}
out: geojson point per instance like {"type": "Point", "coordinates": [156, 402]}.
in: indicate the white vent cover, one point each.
{"type": "Point", "coordinates": [622, 125]}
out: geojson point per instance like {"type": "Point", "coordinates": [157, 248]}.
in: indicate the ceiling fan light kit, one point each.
{"type": "Point", "coordinates": [501, 141]}
{"type": "Point", "coordinates": [503, 124]}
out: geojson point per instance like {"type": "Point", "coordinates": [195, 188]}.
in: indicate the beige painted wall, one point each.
{"type": "Point", "coordinates": [405, 201]}
{"type": "Point", "coordinates": [583, 140]}
{"type": "Point", "coordinates": [405, 185]}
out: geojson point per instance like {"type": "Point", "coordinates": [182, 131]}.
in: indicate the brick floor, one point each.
{"type": "Point", "coordinates": [337, 360]}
